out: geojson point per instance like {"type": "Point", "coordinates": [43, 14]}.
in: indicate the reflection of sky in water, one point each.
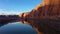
{"type": "Point", "coordinates": [17, 28]}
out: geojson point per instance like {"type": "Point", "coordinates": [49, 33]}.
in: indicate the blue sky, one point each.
{"type": "Point", "coordinates": [17, 6]}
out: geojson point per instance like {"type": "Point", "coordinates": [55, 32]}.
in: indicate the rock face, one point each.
{"type": "Point", "coordinates": [48, 8]}
{"type": "Point", "coordinates": [51, 7]}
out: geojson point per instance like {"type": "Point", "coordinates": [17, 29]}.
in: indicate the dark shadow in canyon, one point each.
{"type": "Point", "coordinates": [46, 26]}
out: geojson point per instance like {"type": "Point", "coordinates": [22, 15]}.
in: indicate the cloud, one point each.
{"type": "Point", "coordinates": [5, 12]}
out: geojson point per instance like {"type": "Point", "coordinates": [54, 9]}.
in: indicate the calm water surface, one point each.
{"type": "Point", "coordinates": [17, 28]}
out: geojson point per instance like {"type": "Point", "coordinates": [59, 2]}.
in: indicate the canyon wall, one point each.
{"type": "Point", "coordinates": [51, 7]}
{"type": "Point", "coordinates": [48, 8]}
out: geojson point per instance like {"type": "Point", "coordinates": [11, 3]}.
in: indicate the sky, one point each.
{"type": "Point", "coordinates": [17, 6]}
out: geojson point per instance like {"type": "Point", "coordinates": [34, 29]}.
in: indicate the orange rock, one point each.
{"type": "Point", "coordinates": [38, 6]}
{"type": "Point", "coordinates": [47, 8]}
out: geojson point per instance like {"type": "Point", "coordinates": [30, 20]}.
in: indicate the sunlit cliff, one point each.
{"type": "Point", "coordinates": [48, 8]}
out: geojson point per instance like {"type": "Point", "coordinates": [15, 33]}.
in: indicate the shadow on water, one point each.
{"type": "Point", "coordinates": [44, 26]}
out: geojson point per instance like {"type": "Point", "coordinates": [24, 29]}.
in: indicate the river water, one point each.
{"type": "Point", "coordinates": [30, 27]}
{"type": "Point", "coordinates": [17, 28]}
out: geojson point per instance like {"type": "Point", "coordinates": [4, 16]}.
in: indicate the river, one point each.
{"type": "Point", "coordinates": [17, 28]}
{"type": "Point", "coordinates": [30, 27]}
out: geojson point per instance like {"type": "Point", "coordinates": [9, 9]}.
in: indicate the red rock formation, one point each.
{"type": "Point", "coordinates": [51, 6]}
{"type": "Point", "coordinates": [47, 8]}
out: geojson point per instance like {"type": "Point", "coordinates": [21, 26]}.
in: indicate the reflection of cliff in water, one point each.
{"type": "Point", "coordinates": [46, 26]}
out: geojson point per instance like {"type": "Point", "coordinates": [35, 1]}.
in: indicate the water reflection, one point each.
{"type": "Point", "coordinates": [16, 28]}
{"type": "Point", "coordinates": [43, 26]}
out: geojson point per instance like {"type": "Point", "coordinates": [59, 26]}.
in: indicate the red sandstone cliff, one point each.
{"type": "Point", "coordinates": [48, 8]}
